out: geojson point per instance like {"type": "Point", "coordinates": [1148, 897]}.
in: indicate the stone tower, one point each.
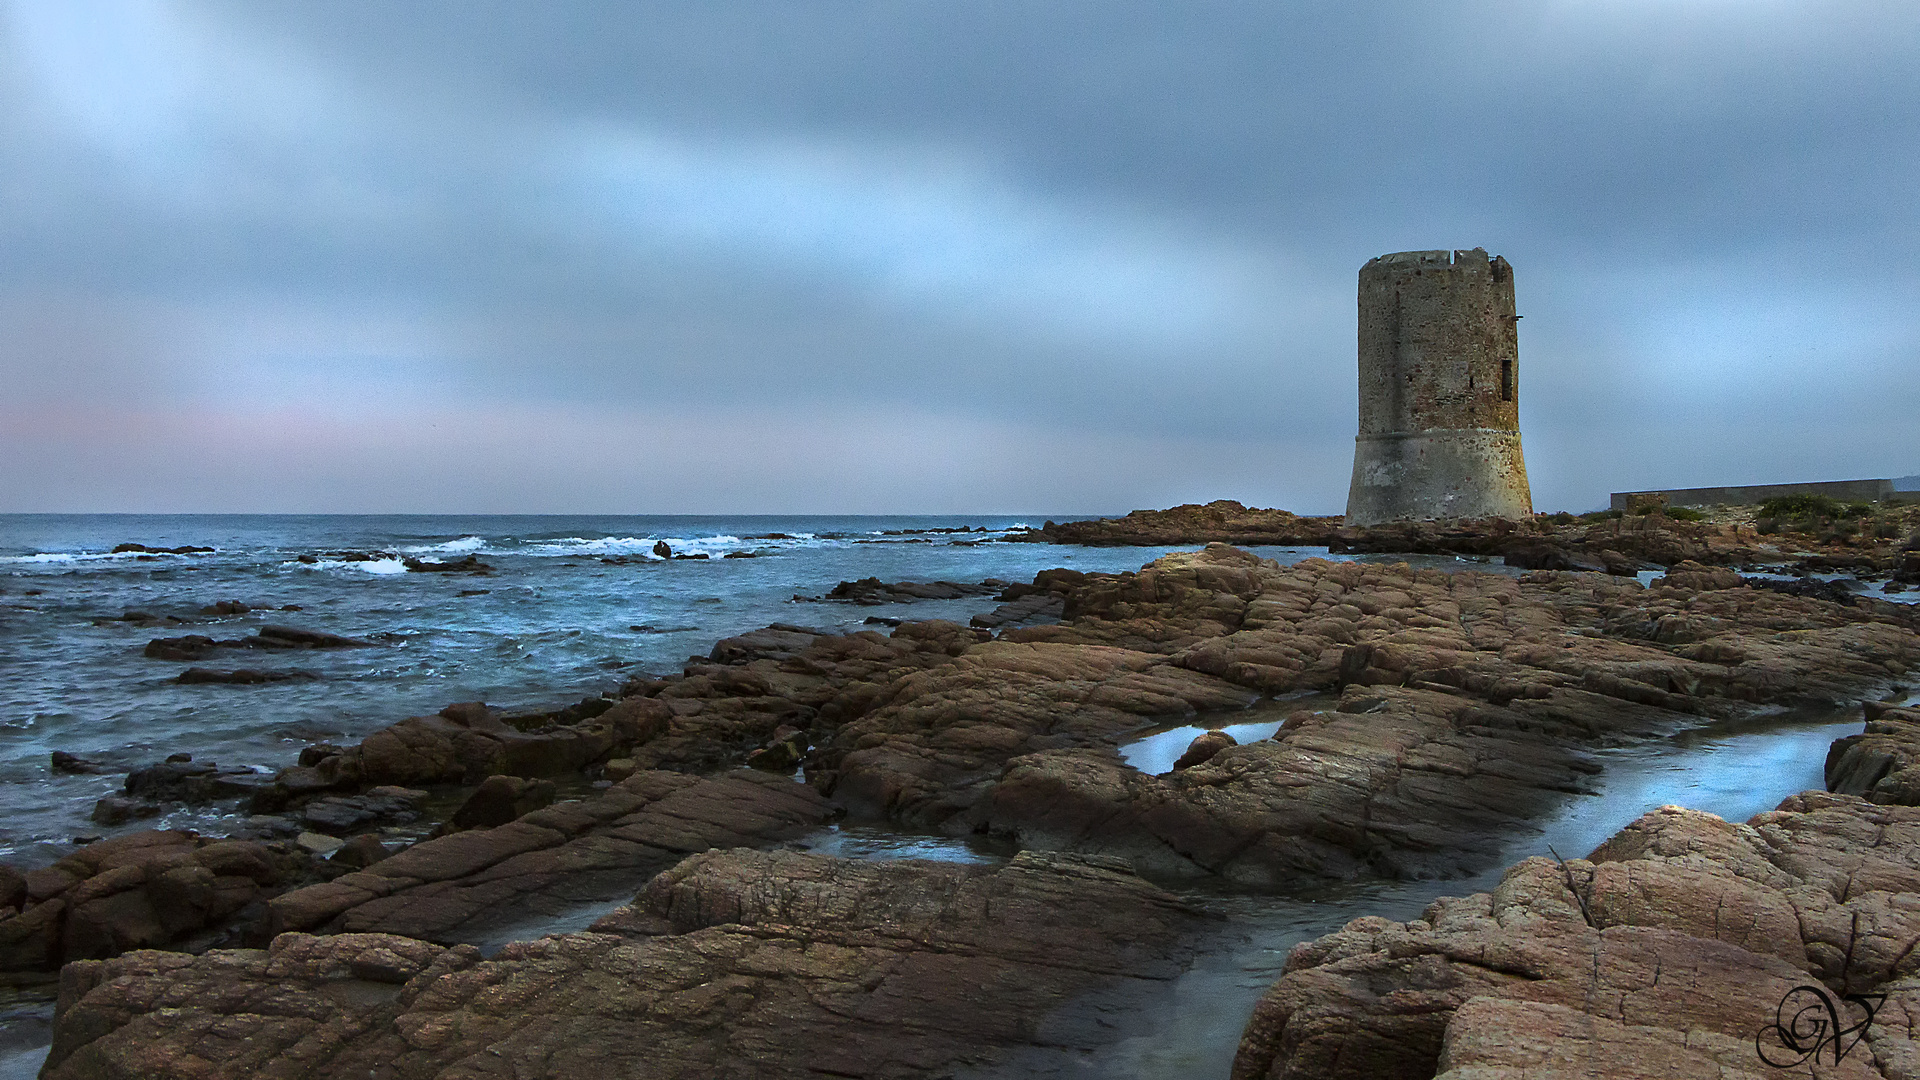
{"type": "Point", "coordinates": [1439, 391]}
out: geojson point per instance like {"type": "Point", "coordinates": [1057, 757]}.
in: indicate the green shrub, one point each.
{"type": "Point", "coordinates": [1561, 518]}
{"type": "Point", "coordinates": [1857, 510]}
{"type": "Point", "coordinates": [1685, 513]}
{"type": "Point", "coordinates": [1766, 526]}
{"type": "Point", "coordinates": [1886, 530]}
{"type": "Point", "coordinates": [1801, 506]}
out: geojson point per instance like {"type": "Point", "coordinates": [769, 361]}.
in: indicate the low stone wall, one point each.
{"type": "Point", "coordinates": [1846, 490]}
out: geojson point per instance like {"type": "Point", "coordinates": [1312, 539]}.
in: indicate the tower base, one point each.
{"type": "Point", "coordinates": [1429, 475]}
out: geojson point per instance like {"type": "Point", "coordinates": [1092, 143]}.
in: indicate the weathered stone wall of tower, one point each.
{"type": "Point", "coordinates": [1439, 390]}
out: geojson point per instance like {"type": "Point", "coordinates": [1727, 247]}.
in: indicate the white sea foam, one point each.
{"type": "Point", "coordinates": [465, 543]}
{"type": "Point", "coordinates": [71, 556]}
{"type": "Point", "coordinates": [380, 567]}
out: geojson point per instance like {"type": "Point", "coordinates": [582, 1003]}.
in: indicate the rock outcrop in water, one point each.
{"type": "Point", "coordinates": [1666, 953]}
{"type": "Point", "coordinates": [734, 964]}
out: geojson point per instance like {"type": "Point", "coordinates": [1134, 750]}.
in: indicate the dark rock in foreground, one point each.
{"type": "Point", "coordinates": [733, 964]}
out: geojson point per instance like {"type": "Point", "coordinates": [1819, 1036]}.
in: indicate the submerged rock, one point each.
{"type": "Point", "coordinates": [243, 676]}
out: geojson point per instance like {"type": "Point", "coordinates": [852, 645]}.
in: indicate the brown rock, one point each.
{"type": "Point", "coordinates": [500, 799]}
{"type": "Point", "coordinates": [467, 884]}
{"type": "Point", "coordinates": [1664, 953]}
{"type": "Point", "coordinates": [1203, 748]}
{"type": "Point", "coordinates": [143, 890]}
{"type": "Point", "coordinates": [743, 964]}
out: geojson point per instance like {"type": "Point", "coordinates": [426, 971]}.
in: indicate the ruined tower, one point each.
{"type": "Point", "coordinates": [1439, 390]}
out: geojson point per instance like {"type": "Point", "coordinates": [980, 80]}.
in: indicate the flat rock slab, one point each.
{"type": "Point", "coordinates": [733, 964]}
{"type": "Point", "coordinates": [469, 885]}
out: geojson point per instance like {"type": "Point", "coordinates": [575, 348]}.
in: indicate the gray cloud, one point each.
{"type": "Point", "coordinates": [1119, 237]}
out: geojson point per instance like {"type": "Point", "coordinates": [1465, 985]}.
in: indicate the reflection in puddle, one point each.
{"type": "Point", "coordinates": [1155, 753]}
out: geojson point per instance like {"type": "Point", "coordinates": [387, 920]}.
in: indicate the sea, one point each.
{"type": "Point", "coordinates": [574, 607]}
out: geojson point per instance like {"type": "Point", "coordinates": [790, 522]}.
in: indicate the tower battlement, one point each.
{"type": "Point", "coordinates": [1439, 360]}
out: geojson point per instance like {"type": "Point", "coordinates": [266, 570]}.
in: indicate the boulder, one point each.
{"type": "Point", "coordinates": [1203, 748]}
{"type": "Point", "coordinates": [143, 890]}
{"type": "Point", "coordinates": [500, 799]}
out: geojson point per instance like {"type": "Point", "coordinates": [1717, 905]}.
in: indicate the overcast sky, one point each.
{"type": "Point", "coordinates": [1049, 258]}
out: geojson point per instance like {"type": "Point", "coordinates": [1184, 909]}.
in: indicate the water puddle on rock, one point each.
{"type": "Point", "coordinates": [1155, 751]}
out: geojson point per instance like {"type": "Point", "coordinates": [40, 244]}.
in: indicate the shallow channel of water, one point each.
{"type": "Point", "coordinates": [1191, 1028]}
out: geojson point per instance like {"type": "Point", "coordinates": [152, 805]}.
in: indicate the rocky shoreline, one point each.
{"type": "Point", "coordinates": [1427, 715]}
{"type": "Point", "coordinates": [1880, 542]}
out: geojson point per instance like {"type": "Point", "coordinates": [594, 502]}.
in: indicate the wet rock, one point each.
{"type": "Point", "coordinates": [118, 810]}
{"type": "Point", "coordinates": [341, 815]}
{"type": "Point", "coordinates": [243, 676]}
{"type": "Point", "coordinates": [359, 852]}
{"type": "Point", "coordinates": [501, 799]}
{"type": "Point", "coordinates": [469, 564]}
{"type": "Point", "coordinates": [73, 764]}
{"type": "Point", "coordinates": [1882, 764]}
{"type": "Point", "coordinates": [734, 964]}
{"type": "Point", "coordinates": [1545, 555]}
{"type": "Point", "coordinates": [191, 782]}
{"type": "Point", "coordinates": [468, 743]}
{"type": "Point", "coordinates": [663, 549]}
{"type": "Point", "coordinates": [185, 549]}
{"type": "Point", "coordinates": [143, 890]}
{"type": "Point", "coordinates": [1676, 939]}
{"type": "Point", "coordinates": [872, 591]}
{"type": "Point", "coordinates": [1203, 748]}
{"type": "Point", "coordinates": [465, 884]}
{"type": "Point", "coordinates": [318, 843]}
{"type": "Point", "coordinates": [1029, 609]}
{"type": "Point", "coordinates": [13, 888]}
{"type": "Point", "coordinates": [189, 647]}
{"type": "Point", "coordinates": [225, 607]}
{"type": "Point", "coordinates": [201, 647]}
{"type": "Point", "coordinates": [783, 753]}
{"type": "Point", "coordinates": [1692, 575]}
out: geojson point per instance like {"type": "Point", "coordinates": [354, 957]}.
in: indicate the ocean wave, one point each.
{"type": "Point", "coordinates": [464, 544]}
{"type": "Point", "coordinates": [635, 545]}
{"type": "Point", "coordinates": [380, 567]}
{"type": "Point", "coordinates": [45, 557]}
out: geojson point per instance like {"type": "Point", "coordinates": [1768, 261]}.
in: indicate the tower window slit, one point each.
{"type": "Point", "coordinates": [1506, 378]}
